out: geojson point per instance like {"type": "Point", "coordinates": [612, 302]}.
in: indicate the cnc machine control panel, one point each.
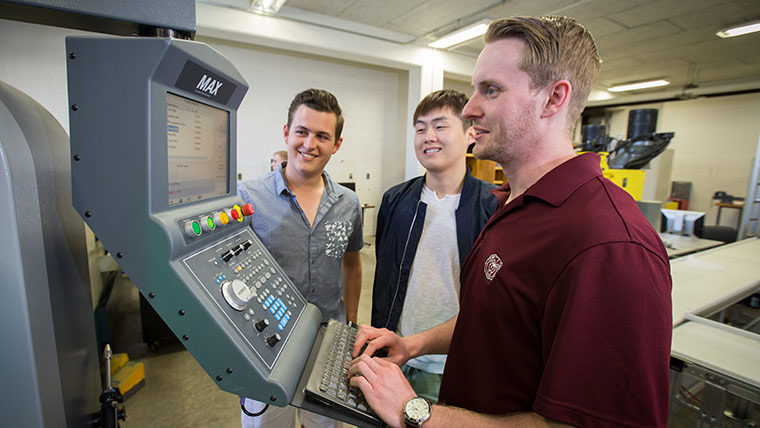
{"type": "Point", "coordinates": [252, 291]}
{"type": "Point", "coordinates": [153, 125]}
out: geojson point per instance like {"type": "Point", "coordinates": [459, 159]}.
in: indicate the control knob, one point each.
{"type": "Point", "coordinates": [262, 324]}
{"type": "Point", "coordinates": [236, 293]}
{"type": "Point", "coordinates": [273, 339]}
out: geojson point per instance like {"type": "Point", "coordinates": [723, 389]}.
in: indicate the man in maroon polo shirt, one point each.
{"type": "Point", "coordinates": [565, 311]}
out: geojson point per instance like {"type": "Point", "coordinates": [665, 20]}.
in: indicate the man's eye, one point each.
{"type": "Point", "coordinates": [420, 130]}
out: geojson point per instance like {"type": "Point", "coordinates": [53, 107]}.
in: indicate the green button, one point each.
{"type": "Point", "coordinates": [196, 227]}
{"type": "Point", "coordinates": [210, 222]}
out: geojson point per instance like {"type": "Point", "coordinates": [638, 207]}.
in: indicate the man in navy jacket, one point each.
{"type": "Point", "coordinates": [425, 229]}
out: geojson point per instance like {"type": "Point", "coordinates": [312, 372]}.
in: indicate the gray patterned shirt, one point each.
{"type": "Point", "coordinates": [311, 256]}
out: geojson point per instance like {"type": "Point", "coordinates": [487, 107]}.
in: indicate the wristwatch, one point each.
{"type": "Point", "coordinates": [416, 411]}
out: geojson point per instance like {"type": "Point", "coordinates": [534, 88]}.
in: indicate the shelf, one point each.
{"type": "Point", "coordinates": [485, 170]}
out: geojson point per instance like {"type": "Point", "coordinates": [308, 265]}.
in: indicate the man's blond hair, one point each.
{"type": "Point", "coordinates": [557, 47]}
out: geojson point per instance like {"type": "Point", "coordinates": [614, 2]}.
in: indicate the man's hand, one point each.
{"type": "Point", "coordinates": [393, 344]}
{"type": "Point", "coordinates": [384, 387]}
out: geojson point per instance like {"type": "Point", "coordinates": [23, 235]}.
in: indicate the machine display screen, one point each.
{"type": "Point", "coordinates": [198, 146]}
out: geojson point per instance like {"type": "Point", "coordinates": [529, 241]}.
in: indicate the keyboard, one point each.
{"type": "Point", "coordinates": [328, 381]}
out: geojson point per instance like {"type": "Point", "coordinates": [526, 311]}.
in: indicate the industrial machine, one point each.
{"type": "Point", "coordinates": [153, 167]}
{"type": "Point", "coordinates": [622, 160]}
{"type": "Point", "coordinates": [49, 357]}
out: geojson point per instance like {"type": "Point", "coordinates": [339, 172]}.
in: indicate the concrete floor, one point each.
{"type": "Point", "coordinates": [177, 392]}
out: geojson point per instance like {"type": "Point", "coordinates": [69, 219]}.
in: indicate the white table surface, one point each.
{"type": "Point", "coordinates": [705, 279]}
{"type": "Point", "coordinates": [723, 351]}
{"type": "Point", "coordinates": [678, 245]}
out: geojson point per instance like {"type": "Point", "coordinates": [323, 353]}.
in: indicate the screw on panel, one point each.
{"type": "Point", "coordinates": [72, 55]}
{"type": "Point", "coordinates": [151, 294]}
{"type": "Point", "coordinates": [185, 337]}
{"type": "Point", "coordinates": [76, 157]}
{"type": "Point", "coordinates": [219, 378]}
{"type": "Point", "coordinates": [181, 312]}
{"type": "Point", "coordinates": [75, 107]}
{"type": "Point", "coordinates": [273, 398]}
{"type": "Point", "coordinates": [229, 370]}
{"type": "Point", "coordinates": [119, 255]}
{"type": "Point", "coordinates": [87, 214]}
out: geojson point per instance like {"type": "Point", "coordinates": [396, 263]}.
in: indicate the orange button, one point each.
{"type": "Point", "coordinates": [223, 217]}
{"type": "Point", "coordinates": [248, 209]}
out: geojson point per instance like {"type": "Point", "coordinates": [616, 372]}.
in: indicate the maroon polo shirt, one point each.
{"type": "Point", "coordinates": [565, 307]}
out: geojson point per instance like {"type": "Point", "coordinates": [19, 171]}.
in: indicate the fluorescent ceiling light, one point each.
{"type": "Point", "coordinates": [739, 30]}
{"type": "Point", "coordinates": [639, 85]}
{"type": "Point", "coordinates": [599, 95]}
{"type": "Point", "coordinates": [467, 33]}
{"type": "Point", "coordinates": [271, 6]}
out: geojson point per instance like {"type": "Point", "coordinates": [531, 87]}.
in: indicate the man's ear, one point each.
{"type": "Point", "coordinates": [558, 98]}
{"type": "Point", "coordinates": [285, 133]}
{"type": "Point", "coordinates": [337, 145]}
{"type": "Point", "coordinates": [470, 136]}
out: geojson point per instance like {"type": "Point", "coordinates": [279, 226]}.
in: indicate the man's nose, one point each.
{"type": "Point", "coordinates": [430, 134]}
{"type": "Point", "coordinates": [309, 141]}
{"type": "Point", "coordinates": [471, 110]}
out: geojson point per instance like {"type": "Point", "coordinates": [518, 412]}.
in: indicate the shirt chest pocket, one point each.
{"type": "Point", "coordinates": [337, 234]}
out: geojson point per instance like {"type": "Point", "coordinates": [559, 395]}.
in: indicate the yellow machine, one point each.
{"type": "Point", "coordinates": [631, 180]}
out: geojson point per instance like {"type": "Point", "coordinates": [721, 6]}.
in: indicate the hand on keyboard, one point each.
{"type": "Point", "coordinates": [380, 353]}
{"type": "Point", "coordinates": [370, 340]}
{"type": "Point", "coordinates": [383, 385]}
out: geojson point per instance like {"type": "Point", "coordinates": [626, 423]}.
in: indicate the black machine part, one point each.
{"type": "Point", "coordinates": [725, 197]}
{"type": "Point", "coordinates": [635, 153]}
{"type": "Point", "coordinates": [594, 138]}
{"type": "Point", "coordinates": [642, 121]}
{"type": "Point", "coordinates": [110, 414]}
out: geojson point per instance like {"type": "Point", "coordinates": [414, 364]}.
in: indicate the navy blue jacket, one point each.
{"type": "Point", "coordinates": [399, 228]}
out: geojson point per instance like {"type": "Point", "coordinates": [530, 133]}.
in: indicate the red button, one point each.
{"type": "Point", "coordinates": [235, 214]}
{"type": "Point", "coordinates": [248, 209]}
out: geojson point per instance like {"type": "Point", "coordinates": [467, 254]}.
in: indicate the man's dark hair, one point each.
{"type": "Point", "coordinates": [319, 100]}
{"type": "Point", "coordinates": [441, 99]}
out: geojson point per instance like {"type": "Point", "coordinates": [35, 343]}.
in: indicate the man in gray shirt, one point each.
{"type": "Point", "coordinates": [311, 225]}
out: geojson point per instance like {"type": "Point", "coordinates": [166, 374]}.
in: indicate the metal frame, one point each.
{"type": "Point", "coordinates": [750, 222]}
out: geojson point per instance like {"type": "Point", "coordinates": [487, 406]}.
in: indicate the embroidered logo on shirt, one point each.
{"type": "Point", "coordinates": [337, 233]}
{"type": "Point", "coordinates": [491, 266]}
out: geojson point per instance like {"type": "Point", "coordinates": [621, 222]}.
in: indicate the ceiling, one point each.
{"type": "Point", "coordinates": [638, 39]}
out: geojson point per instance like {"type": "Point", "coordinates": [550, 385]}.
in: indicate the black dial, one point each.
{"type": "Point", "coordinates": [262, 324]}
{"type": "Point", "coordinates": [273, 339]}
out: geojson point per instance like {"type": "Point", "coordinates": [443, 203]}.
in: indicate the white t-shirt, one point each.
{"type": "Point", "coordinates": [432, 295]}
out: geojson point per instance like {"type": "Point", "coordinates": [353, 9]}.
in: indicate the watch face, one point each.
{"type": "Point", "coordinates": [417, 409]}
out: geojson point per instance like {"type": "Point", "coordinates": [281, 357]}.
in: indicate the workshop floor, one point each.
{"type": "Point", "coordinates": [177, 392]}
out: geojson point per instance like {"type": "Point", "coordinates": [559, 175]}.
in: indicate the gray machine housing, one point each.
{"type": "Point", "coordinates": [118, 121]}
{"type": "Point", "coordinates": [51, 375]}
{"type": "Point", "coordinates": [133, 17]}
